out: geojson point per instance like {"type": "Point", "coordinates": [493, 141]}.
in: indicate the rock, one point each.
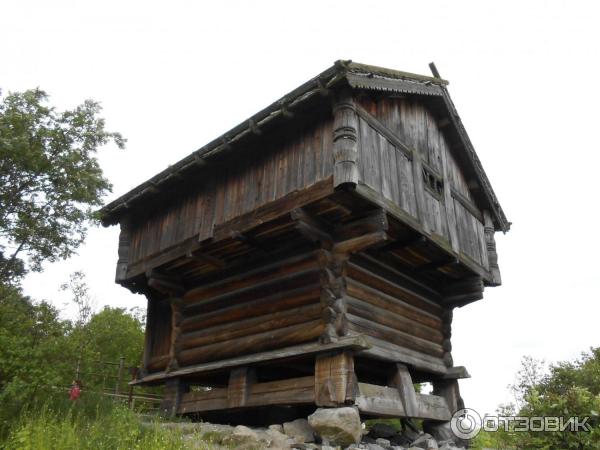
{"type": "Point", "coordinates": [400, 440]}
{"type": "Point", "coordinates": [375, 447]}
{"type": "Point", "coordinates": [385, 443]}
{"type": "Point", "coordinates": [339, 426]}
{"type": "Point", "coordinates": [440, 431]}
{"type": "Point", "coordinates": [299, 430]}
{"type": "Point", "coordinates": [278, 440]}
{"type": "Point", "coordinates": [382, 430]}
{"type": "Point", "coordinates": [422, 441]}
{"type": "Point", "coordinates": [242, 435]}
{"type": "Point", "coordinates": [276, 427]}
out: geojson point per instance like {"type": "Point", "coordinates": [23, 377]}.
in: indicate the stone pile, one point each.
{"type": "Point", "coordinates": [325, 429]}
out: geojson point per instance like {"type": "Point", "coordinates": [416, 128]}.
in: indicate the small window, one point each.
{"type": "Point", "coordinates": [433, 182]}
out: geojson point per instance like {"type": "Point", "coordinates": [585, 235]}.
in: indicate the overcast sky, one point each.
{"type": "Point", "coordinates": [174, 75]}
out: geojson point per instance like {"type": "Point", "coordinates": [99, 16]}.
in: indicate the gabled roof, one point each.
{"type": "Point", "coordinates": [358, 76]}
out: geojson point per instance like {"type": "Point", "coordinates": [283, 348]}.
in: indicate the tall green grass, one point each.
{"type": "Point", "coordinates": [92, 423]}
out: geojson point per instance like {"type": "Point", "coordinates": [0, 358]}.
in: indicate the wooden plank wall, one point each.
{"type": "Point", "coordinates": [235, 187]}
{"type": "Point", "coordinates": [383, 308]}
{"type": "Point", "coordinates": [389, 171]}
{"type": "Point", "coordinates": [264, 308]}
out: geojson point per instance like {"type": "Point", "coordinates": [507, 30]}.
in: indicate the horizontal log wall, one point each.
{"type": "Point", "coordinates": [387, 310]}
{"type": "Point", "coordinates": [386, 166]}
{"type": "Point", "coordinates": [265, 308]}
{"type": "Point", "coordinates": [235, 187]}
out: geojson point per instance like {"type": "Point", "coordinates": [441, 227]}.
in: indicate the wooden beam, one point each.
{"type": "Point", "coordinates": [312, 227]}
{"type": "Point", "coordinates": [249, 241]}
{"type": "Point", "coordinates": [375, 220]}
{"type": "Point", "coordinates": [360, 243]}
{"type": "Point", "coordinates": [385, 132]}
{"type": "Point", "coordinates": [165, 284]}
{"type": "Point", "coordinates": [402, 381]}
{"type": "Point", "coordinates": [292, 391]}
{"type": "Point", "coordinates": [351, 342]}
{"type": "Point", "coordinates": [206, 259]}
{"type": "Point", "coordinates": [386, 402]}
{"type": "Point", "coordinates": [435, 265]}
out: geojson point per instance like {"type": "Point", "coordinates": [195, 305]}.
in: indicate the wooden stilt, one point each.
{"type": "Point", "coordinates": [335, 380]}
{"type": "Point", "coordinates": [175, 388]}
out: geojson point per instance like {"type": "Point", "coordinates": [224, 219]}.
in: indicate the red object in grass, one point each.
{"type": "Point", "coordinates": [74, 393]}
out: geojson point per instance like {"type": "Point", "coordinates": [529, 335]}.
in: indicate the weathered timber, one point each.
{"type": "Point", "coordinates": [314, 253]}
{"type": "Point", "coordinates": [335, 381]}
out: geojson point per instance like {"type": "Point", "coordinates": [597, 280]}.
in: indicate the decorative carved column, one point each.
{"type": "Point", "coordinates": [124, 240]}
{"type": "Point", "coordinates": [491, 248]}
{"type": "Point", "coordinates": [345, 139]}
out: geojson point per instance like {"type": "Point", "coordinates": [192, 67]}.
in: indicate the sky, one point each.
{"type": "Point", "coordinates": [174, 75]}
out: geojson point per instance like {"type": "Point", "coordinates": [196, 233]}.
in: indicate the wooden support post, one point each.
{"type": "Point", "coordinates": [449, 390]}
{"type": "Point", "coordinates": [176, 320]}
{"type": "Point", "coordinates": [489, 231]}
{"type": "Point", "coordinates": [345, 140]}
{"type": "Point", "coordinates": [175, 388]}
{"type": "Point", "coordinates": [335, 380]}
{"type": "Point", "coordinates": [238, 390]}
{"type": "Point", "coordinates": [402, 381]}
{"type": "Point", "coordinates": [124, 240]}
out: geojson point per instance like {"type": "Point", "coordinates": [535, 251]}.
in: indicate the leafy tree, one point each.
{"type": "Point", "coordinates": [565, 389]}
{"type": "Point", "coordinates": [50, 179]}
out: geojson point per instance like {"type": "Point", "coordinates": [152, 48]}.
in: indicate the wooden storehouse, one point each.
{"type": "Point", "coordinates": [313, 254]}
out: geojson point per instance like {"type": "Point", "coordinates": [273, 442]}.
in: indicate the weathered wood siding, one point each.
{"type": "Point", "coordinates": [388, 170]}
{"type": "Point", "coordinates": [243, 184]}
{"type": "Point", "coordinates": [265, 308]}
{"type": "Point", "coordinates": [382, 307]}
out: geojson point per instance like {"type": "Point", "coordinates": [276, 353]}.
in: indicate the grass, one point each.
{"type": "Point", "coordinates": [94, 424]}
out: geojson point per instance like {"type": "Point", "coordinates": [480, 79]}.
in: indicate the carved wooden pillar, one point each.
{"type": "Point", "coordinates": [491, 248]}
{"type": "Point", "coordinates": [345, 139]}
{"type": "Point", "coordinates": [124, 240]}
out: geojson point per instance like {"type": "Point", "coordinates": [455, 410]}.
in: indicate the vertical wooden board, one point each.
{"type": "Point", "coordinates": [385, 154]}
{"type": "Point", "coordinates": [328, 149]}
{"type": "Point", "coordinates": [309, 153]}
{"type": "Point", "coordinates": [475, 238]}
{"type": "Point", "coordinates": [450, 214]}
{"type": "Point", "coordinates": [394, 173]}
{"type": "Point", "coordinates": [408, 119]}
{"type": "Point", "coordinates": [482, 244]}
{"type": "Point", "coordinates": [318, 151]}
{"type": "Point", "coordinates": [369, 152]}
{"type": "Point", "coordinates": [433, 142]}
{"type": "Point", "coordinates": [220, 195]}
{"type": "Point", "coordinates": [408, 201]}
{"type": "Point", "coordinates": [421, 131]}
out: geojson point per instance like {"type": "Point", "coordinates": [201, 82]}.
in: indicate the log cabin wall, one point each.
{"type": "Point", "coordinates": [399, 317]}
{"type": "Point", "coordinates": [236, 186]}
{"type": "Point", "coordinates": [404, 156]}
{"type": "Point", "coordinates": [259, 309]}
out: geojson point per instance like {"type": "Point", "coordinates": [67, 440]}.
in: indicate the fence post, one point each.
{"type": "Point", "coordinates": [119, 374]}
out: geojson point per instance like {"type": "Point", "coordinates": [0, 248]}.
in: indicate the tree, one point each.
{"type": "Point", "coordinates": [50, 180]}
{"type": "Point", "coordinates": [564, 389]}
